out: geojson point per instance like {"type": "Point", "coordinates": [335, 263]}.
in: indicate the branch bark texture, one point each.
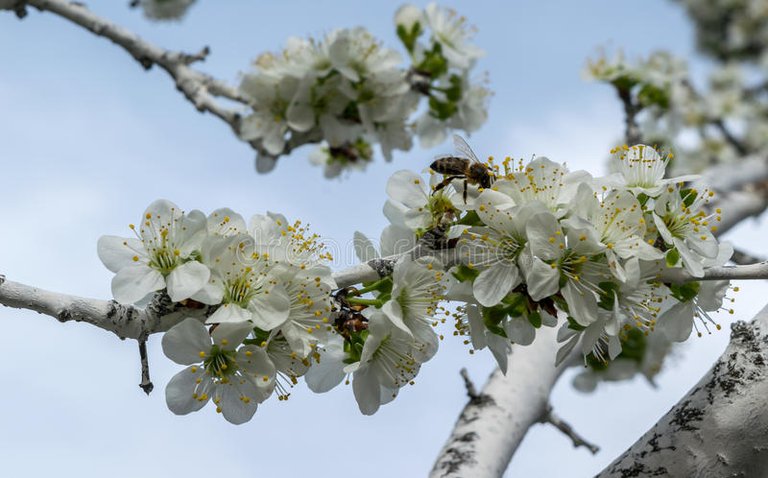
{"type": "Point", "coordinates": [720, 427]}
{"type": "Point", "coordinates": [494, 422]}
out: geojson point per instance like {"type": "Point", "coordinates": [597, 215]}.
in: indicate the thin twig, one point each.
{"type": "Point", "coordinates": [729, 137]}
{"type": "Point", "coordinates": [631, 128]}
{"type": "Point", "coordinates": [146, 383]}
{"type": "Point", "coordinates": [471, 390]}
{"type": "Point", "coordinates": [567, 429]}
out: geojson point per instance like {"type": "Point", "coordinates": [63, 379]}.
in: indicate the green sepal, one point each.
{"type": "Point", "coordinates": [672, 257]}
{"type": "Point", "coordinates": [471, 219]}
{"type": "Point", "coordinates": [353, 346]}
{"type": "Point", "coordinates": [516, 304]}
{"type": "Point", "coordinates": [535, 319]}
{"type": "Point", "coordinates": [573, 325]}
{"type": "Point", "coordinates": [465, 273]}
{"type": "Point", "coordinates": [492, 317]}
{"type": "Point", "coordinates": [624, 82]}
{"type": "Point", "coordinates": [595, 363]}
{"type": "Point", "coordinates": [409, 37]}
{"type": "Point", "coordinates": [434, 63]}
{"type": "Point", "coordinates": [633, 345]}
{"type": "Point", "coordinates": [608, 291]}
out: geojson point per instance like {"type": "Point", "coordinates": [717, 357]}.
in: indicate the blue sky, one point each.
{"type": "Point", "coordinates": [88, 139]}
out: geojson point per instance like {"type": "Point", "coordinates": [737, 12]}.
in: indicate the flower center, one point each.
{"type": "Point", "coordinates": [220, 363]}
{"type": "Point", "coordinates": [240, 290]}
{"type": "Point", "coordinates": [679, 225]}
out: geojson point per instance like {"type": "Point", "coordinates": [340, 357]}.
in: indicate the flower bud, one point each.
{"type": "Point", "coordinates": [408, 15]}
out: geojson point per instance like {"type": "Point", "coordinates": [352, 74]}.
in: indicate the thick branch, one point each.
{"type": "Point", "coordinates": [719, 427]}
{"type": "Point", "coordinates": [730, 177]}
{"type": "Point", "coordinates": [126, 321]}
{"type": "Point", "coordinates": [738, 206]}
{"type": "Point", "coordinates": [494, 422]}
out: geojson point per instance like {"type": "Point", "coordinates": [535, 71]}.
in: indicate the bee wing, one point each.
{"type": "Point", "coordinates": [462, 147]}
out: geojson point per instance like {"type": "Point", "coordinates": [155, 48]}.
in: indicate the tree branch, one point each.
{"type": "Point", "coordinates": [567, 429]}
{"type": "Point", "coordinates": [746, 272]}
{"type": "Point", "coordinates": [494, 422]}
{"type": "Point", "coordinates": [197, 87]}
{"type": "Point", "coordinates": [631, 128]}
{"type": "Point", "coordinates": [719, 427]}
{"type": "Point", "coordinates": [738, 206]}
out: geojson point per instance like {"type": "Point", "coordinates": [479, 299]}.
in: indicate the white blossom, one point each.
{"type": "Point", "coordinates": [164, 255]}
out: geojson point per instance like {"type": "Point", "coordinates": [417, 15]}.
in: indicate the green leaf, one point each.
{"type": "Point", "coordinates": [685, 292]}
{"type": "Point", "coordinates": [688, 196]}
{"type": "Point", "coordinates": [652, 95]}
{"type": "Point", "coordinates": [454, 92]}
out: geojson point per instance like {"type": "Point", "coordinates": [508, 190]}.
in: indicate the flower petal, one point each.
{"type": "Point", "coordinates": [185, 340]}
{"type": "Point", "coordinates": [118, 252]}
{"type": "Point", "coordinates": [179, 394]}
{"type": "Point", "coordinates": [133, 283]}
{"type": "Point", "coordinates": [270, 310]}
{"type": "Point", "coordinates": [494, 283]}
{"type": "Point", "coordinates": [187, 279]}
{"type": "Point", "coordinates": [329, 371]}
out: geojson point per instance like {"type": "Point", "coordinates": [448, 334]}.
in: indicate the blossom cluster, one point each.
{"type": "Point", "coordinates": [539, 246]}
{"type": "Point", "coordinates": [729, 29]}
{"type": "Point", "coordinates": [720, 123]}
{"type": "Point", "coordinates": [350, 91]}
{"type": "Point", "coordinates": [545, 246]}
{"type": "Point", "coordinates": [263, 286]}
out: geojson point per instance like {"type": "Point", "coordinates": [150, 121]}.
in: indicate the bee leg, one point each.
{"type": "Point", "coordinates": [465, 190]}
{"type": "Point", "coordinates": [445, 182]}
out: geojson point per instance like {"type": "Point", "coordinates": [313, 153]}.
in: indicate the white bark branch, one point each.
{"type": "Point", "coordinates": [720, 427]}
{"type": "Point", "coordinates": [738, 206]}
{"type": "Point", "coordinates": [125, 321]}
{"type": "Point", "coordinates": [128, 321]}
{"type": "Point", "coordinates": [493, 423]}
{"type": "Point", "coordinates": [731, 177]}
{"type": "Point", "coordinates": [746, 272]}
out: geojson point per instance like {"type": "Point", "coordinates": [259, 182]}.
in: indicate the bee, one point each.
{"type": "Point", "coordinates": [465, 165]}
